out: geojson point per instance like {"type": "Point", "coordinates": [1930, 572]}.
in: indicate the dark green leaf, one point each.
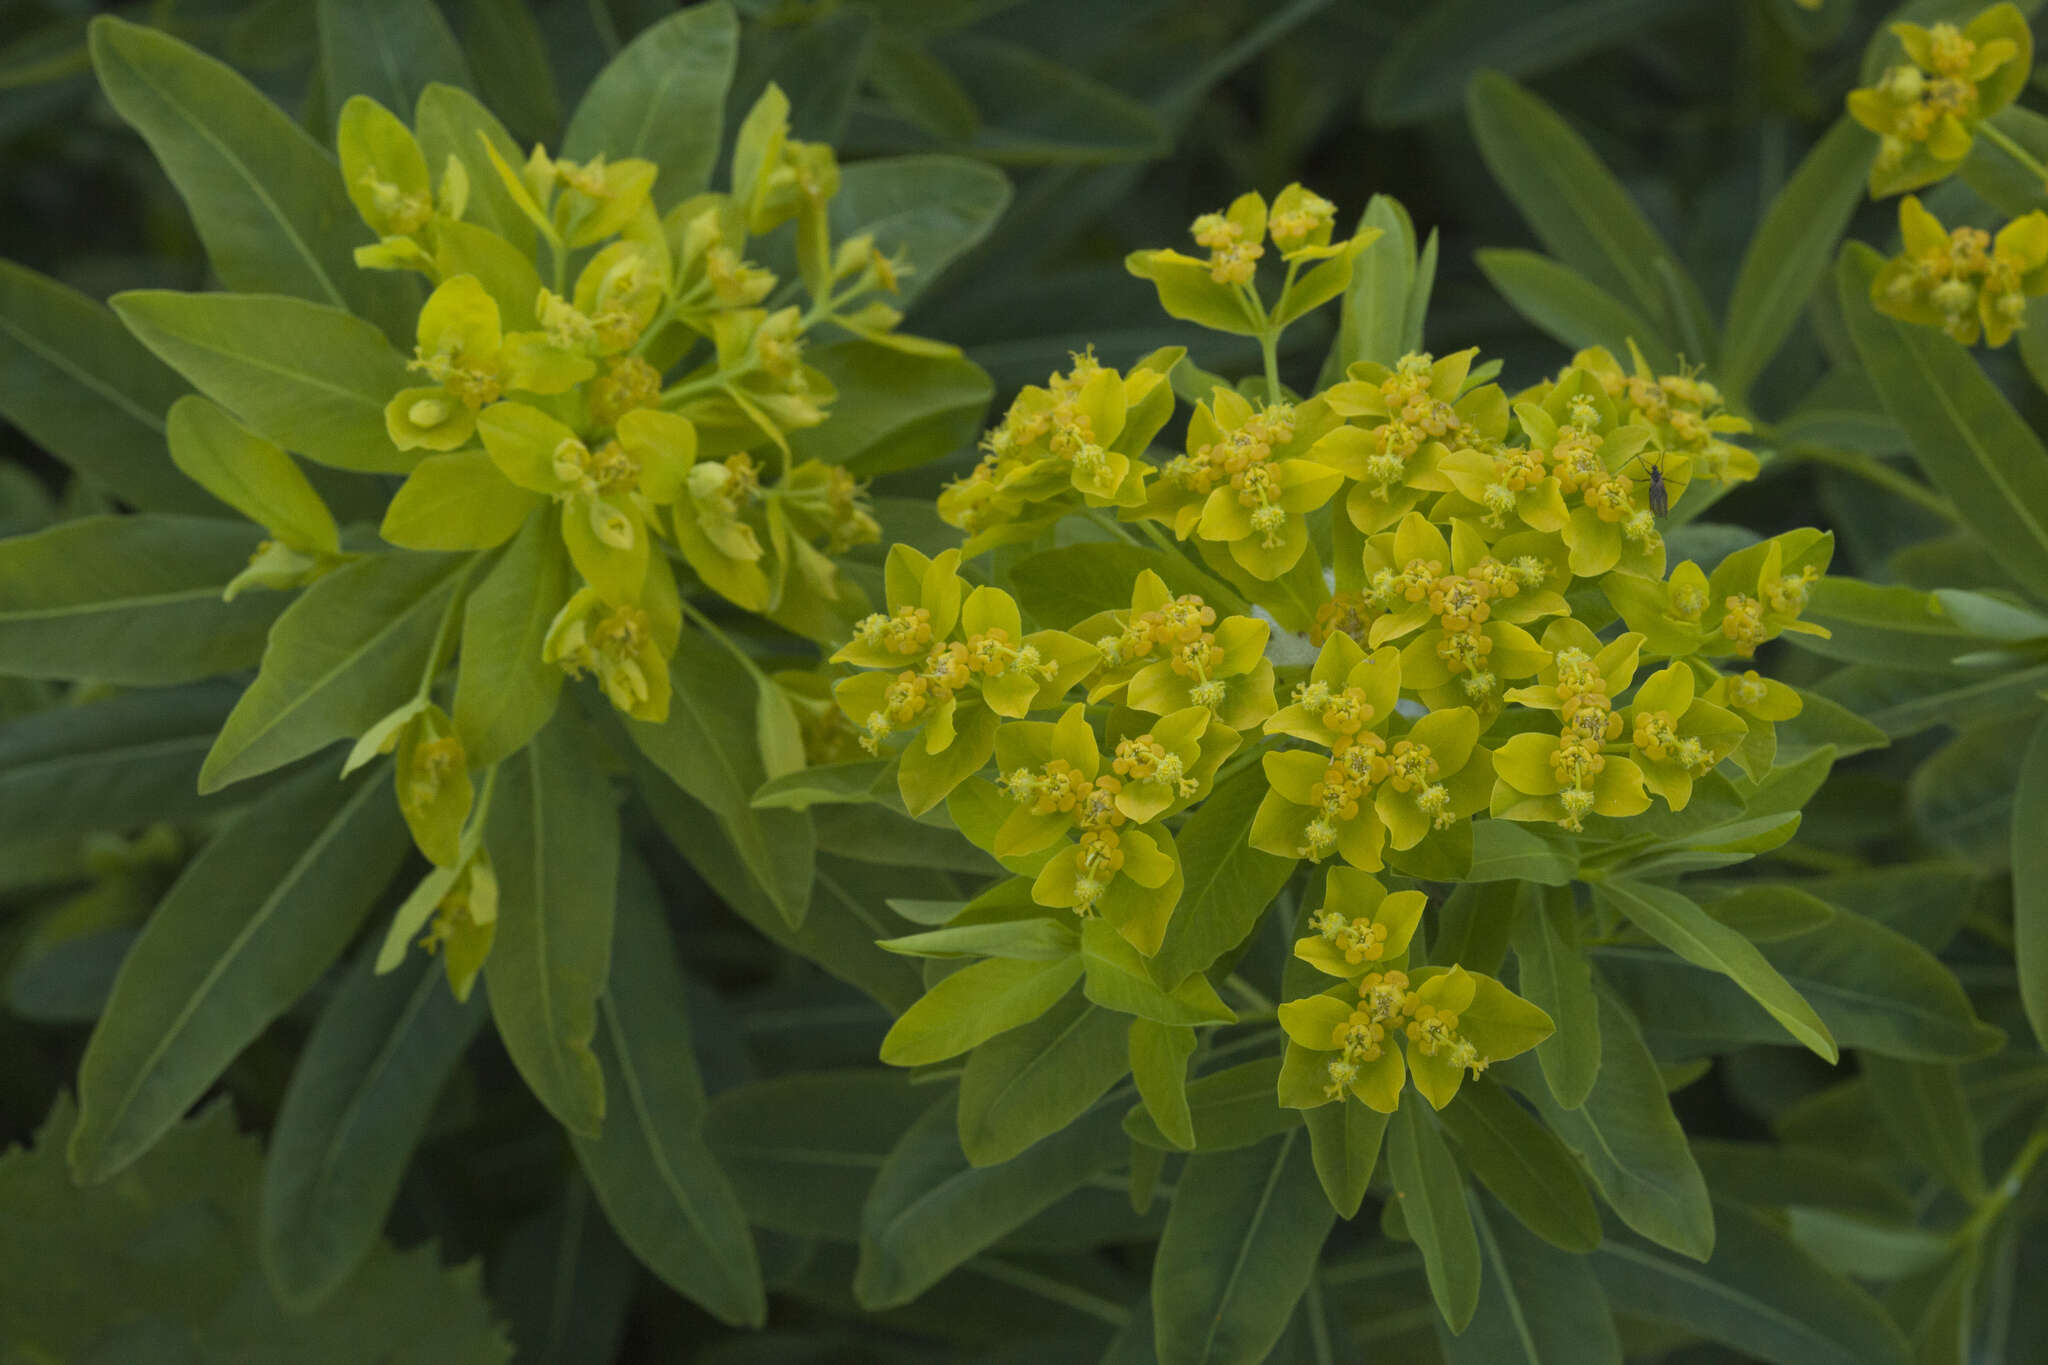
{"type": "Point", "coordinates": [1535, 1306]}
{"type": "Point", "coordinates": [895, 410]}
{"type": "Point", "coordinates": [663, 99]}
{"type": "Point", "coordinates": [1240, 1247]}
{"type": "Point", "coordinates": [2030, 881]}
{"type": "Point", "coordinates": [359, 1099]}
{"type": "Point", "coordinates": [246, 930]}
{"type": "Point", "coordinates": [1060, 588]}
{"type": "Point", "coordinates": [1035, 1080]}
{"type": "Point", "coordinates": [1228, 883]}
{"type": "Point", "coordinates": [389, 50]}
{"type": "Point", "coordinates": [1523, 1165]}
{"type": "Point", "coordinates": [553, 838]}
{"type": "Point", "coordinates": [1570, 308]}
{"type": "Point", "coordinates": [1927, 1114]}
{"type": "Point", "coordinates": [1556, 977]}
{"type": "Point", "coordinates": [1344, 1139]}
{"type": "Point", "coordinates": [658, 1181]}
{"type": "Point", "coordinates": [802, 1150]}
{"type": "Point", "coordinates": [1433, 1205]}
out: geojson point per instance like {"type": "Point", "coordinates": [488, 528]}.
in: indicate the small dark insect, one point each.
{"type": "Point", "coordinates": [1660, 496]}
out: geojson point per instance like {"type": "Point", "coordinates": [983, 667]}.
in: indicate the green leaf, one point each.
{"type": "Point", "coordinates": [1118, 978]}
{"type": "Point", "coordinates": [802, 1150]}
{"type": "Point", "coordinates": [1038, 939]}
{"type": "Point", "coordinates": [1061, 587]}
{"type": "Point", "coordinates": [1902, 704]}
{"type": "Point", "coordinates": [509, 58]}
{"type": "Point", "coordinates": [564, 1281]}
{"type": "Point", "coordinates": [1035, 1080]}
{"type": "Point", "coordinates": [358, 1103]}
{"type": "Point", "coordinates": [268, 202]}
{"type": "Point", "coordinates": [1970, 441]}
{"type": "Point", "coordinates": [1891, 626]}
{"type": "Point", "coordinates": [658, 1181]}
{"type": "Point", "coordinates": [895, 410]}
{"type": "Point", "coordinates": [707, 746]}
{"type": "Point", "coordinates": [1159, 1065]}
{"type": "Point", "coordinates": [2030, 881]}
{"type": "Point", "coordinates": [1567, 306]}
{"type": "Point", "coordinates": [1372, 324]}
{"type": "Point", "coordinates": [1509, 850]}
{"type": "Point", "coordinates": [975, 1004]}
{"type": "Point", "coordinates": [1628, 1139]}
{"type": "Point", "coordinates": [1964, 796]}
{"type": "Point", "coordinates": [1787, 257]}
{"type": "Point", "coordinates": [249, 474]}
{"type": "Point", "coordinates": [354, 647]}
{"type": "Point", "coordinates": [130, 600]}
{"type": "Point", "coordinates": [662, 98]}
{"type": "Point", "coordinates": [553, 838]}
{"type": "Point", "coordinates": [1239, 1249]}
{"type": "Point", "coordinates": [930, 1211]}
{"type": "Point", "coordinates": [1573, 203]}
{"type": "Point", "coordinates": [1034, 111]}
{"type": "Point", "coordinates": [313, 379]}
{"type": "Point", "coordinates": [1535, 1306]}
{"type": "Point", "coordinates": [1874, 988]}
{"type": "Point", "coordinates": [1432, 1203]}
{"type": "Point", "coordinates": [1556, 978]}
{"type": "Point", "coordinates": [1230, 1108]}
{"type": "Point", "coordinates": [80, 387]}
{"type": "Point", "coordinates": [1927, 1114]}
{"type": "Point", "coordinates": [244, 932]}
{"type": "Point", "coordinates": [1228, 883]}
{"type": "Point", "coordinates": [119, 763]}
{"type": "Point", "coordinates": [389, 50]}
{"type": "Point", "coordinates": [1523, 1165]}
{"type": "Point", "coordinates": [1680, 925]}
{"type": "Point", "coordinates": [452, 122]}
{"type": "Point", "coordinates": [1777, 1175]}
{"type": "Point", "coordinates": [1424, 72]}
{"type": "Point", "coordinates": [930, 209]}
{"type": "Point", "coordinates": [505, 691]}
{"type": "Point", "coordinates": [1344, 1138]}
{"type": "Point", "coordinates": [1758, 1293]}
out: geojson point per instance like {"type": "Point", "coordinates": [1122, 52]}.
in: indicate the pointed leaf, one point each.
{"type": "Point", "coordinates": [662, 98]}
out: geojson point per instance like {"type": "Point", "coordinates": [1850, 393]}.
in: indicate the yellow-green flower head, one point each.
{"type": "Point", "coordinates": [608, 495]}
{"type": "Point", "coordinates": [465, 923]}
{"type": "Point", "coordinates": [775, 177]}
{"type": "Point", "coordinates": [1366, 792]}
{"type": "Point", "coordinates": [1258, 497]}
{"type": "Point", "coordinates": [1672, 616]}
{"type": "Point", "coordinates": [828, 504]}
{"type": "Point", "coordinates": [433, 782]}
{"type": "Point", "coordinates": [1676, 737]}
{"type": "Point", "coordinates": [1166, 762]}
{"type": "Point", "coordinates": [1593, 453]}
{"type": "Point", "coordinates": [1074, 442]}
{"type": "Point", "coordinates": [1757, 593]}
{"type": "Point", "coordinates": [1219, 291]}
{"type": "Point", "coordinates": [1449, 1022]}
{"type": "Point", "coordinates": [1964, 280]}
{"type": "Point", "coordinates": [1567, 776]}
{"type": "Point", "coordinates": [1462, 600]}
{"type": "Point", "coordinates": [383, 169]}
{"type": "Point", "coordinates": [1684, 414]}
{"type": "Point", "coordinates": [626, 646]}
{"type": "Point", "coordinates": [1755, 697]}
{"type": "Point", "coordinates": [1925, 110]}
{"type": "Point", "coordinates": [1402, 424]}
{"type": "Point", "coordinates": [1360, 927]}
{"type": "Point", "coordinates": [1106, 862]}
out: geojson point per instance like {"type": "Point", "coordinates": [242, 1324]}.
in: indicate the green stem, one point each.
{"type": "Point", "coordinates": [1253, 996]}
{"type": "Point", "coordinates": [1269, 351]}
{"type": "Point", "coordinates": [1159, 537]}
{"type": "Point", "coordinates": [2006, 1189]}
{"type": "Point", "coordinates": [1111, 525]}
{"type": "Point", "coordinates": [2004, 142]}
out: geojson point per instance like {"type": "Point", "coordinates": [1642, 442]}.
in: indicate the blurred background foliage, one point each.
{"type": "Point", "coordinates": [1117, 123]}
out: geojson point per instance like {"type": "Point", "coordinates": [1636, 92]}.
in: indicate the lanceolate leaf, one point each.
{"type": "Point", "coordinates": [1345, 1140]}
{"type": "Point", "coordinates": [554, 838]}
{"type": "Point", "coordinates": [1628, 1139]}
{"type": "Point", "coordinates": [663, 99]}
{"type": "Point", "coordinates": [1758, 1293]}
{"type": "Point", "coordinates": [505, 689]}
{"type": "Point", "coordinates": [1536, 1306]}
{"type": "Point", "coordinates": [133, 600]}
{"type": "Point", "coordinates": [707, 746]}
{"type": "Point", "coordinates": [2030, 881]}
{"type": "Point", "coordinates": [1556, 977]}
{"type": "Point", "coordinates": [1680, 925]}
{"type": "Point", "coordinates": [659, 1183]}
{"type": "Point", "coordinates": [1240, 1245]}
{"type": "Point", "coordinates": [802, 1150]}
{"type": "Point", "coordinates": [1971, 442]}
{"type": "Point", "coordinates": [115, 764]}
{"type": "Point", "coordinates": [310, 377]}
{"type": "Point", "coordinates": [1569, 307]}
{"type": "Point", "coordinates": [1229, 883]}
{"type": "Point", "coordinates": [1433, 1205]}
{"type": "Point", "coordinates": [931, 209]}
{"type": "Point", "coordinates": [82, 388]}
{"type": "Point", "coordinates": [389, 50]}
{"type": "Point", "coordinates": [1524, 1165]}
{"type": "Point", "coordinates": [252, 923]}
{"type": "Point", "coordinates": [359, 1100]}
{"type": "Point", "coordinates": [1039, 1078]}
{"type": "Point", "coordinates": [357, 645]}
{"type": "Point", "coordinates": [929, 1210]}
{"type": "Point", "coordinates": [268, 202]}
{"type": "Point", "coordinates": [1926, 1112]}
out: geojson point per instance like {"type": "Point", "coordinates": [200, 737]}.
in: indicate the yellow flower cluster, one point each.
{"type": "Point", "coordinates": [1928, 109]}
{"type": "Point", "coordinates": [1963, 280]}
